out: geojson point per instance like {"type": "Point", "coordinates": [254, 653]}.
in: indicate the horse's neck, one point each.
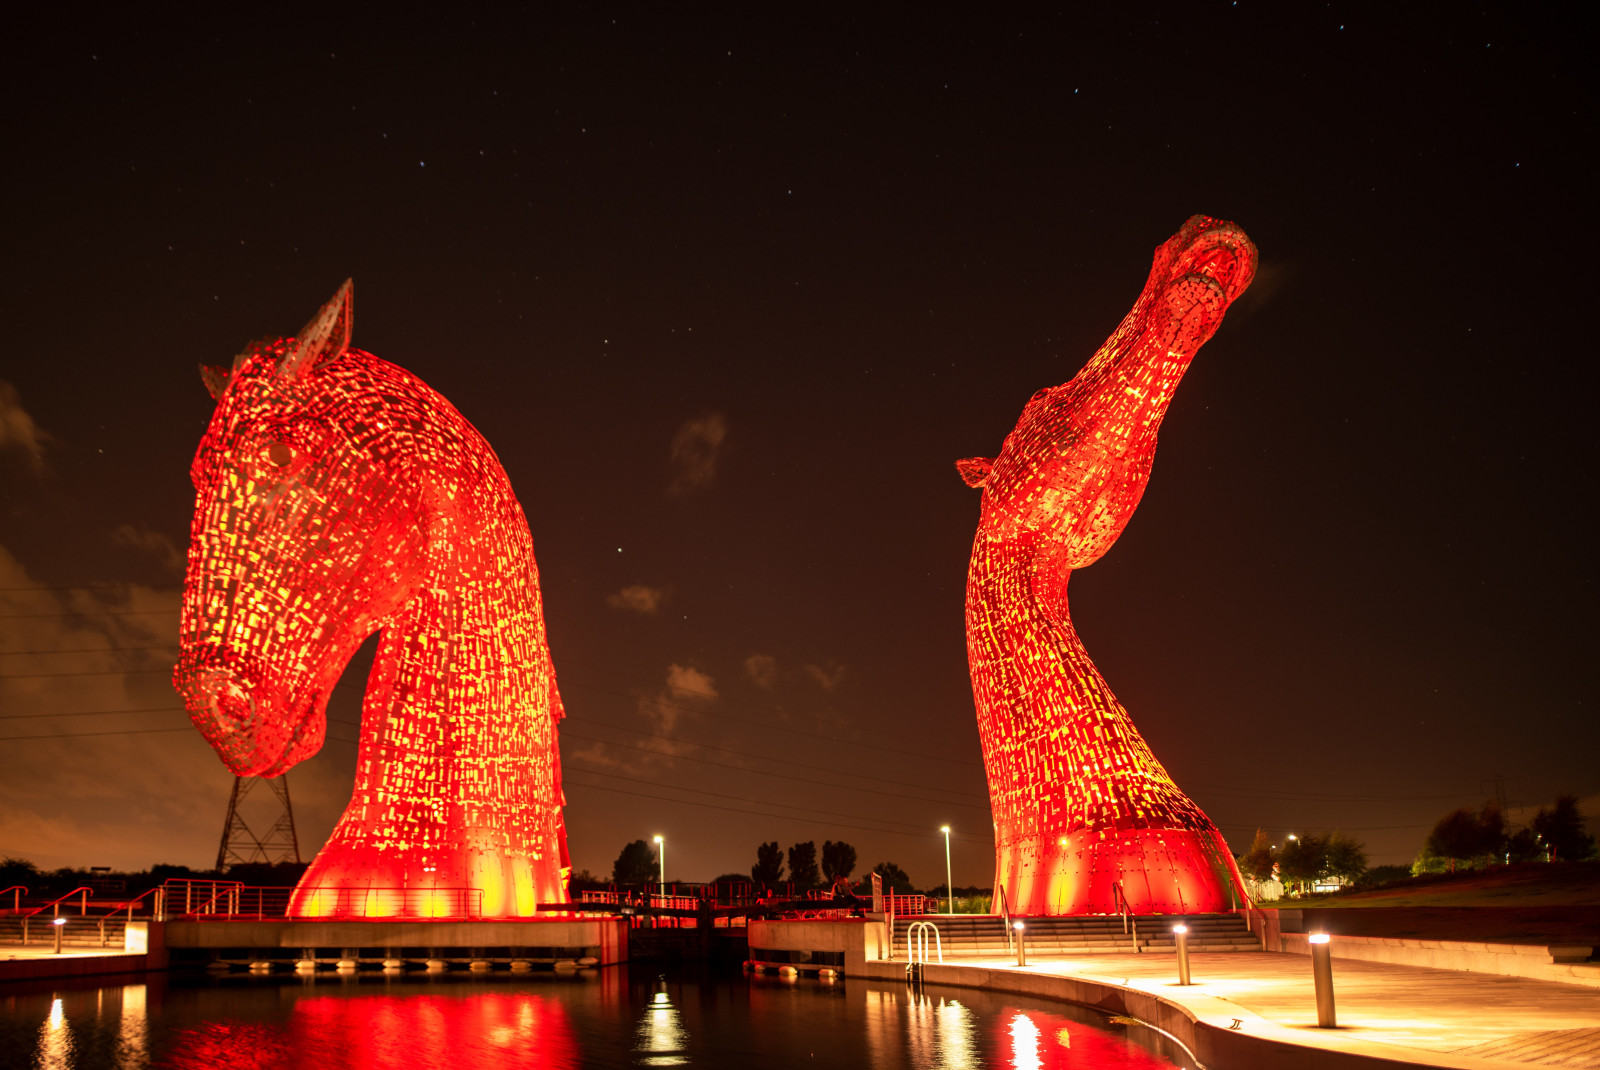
{"type": "Point", "coordinates": [460, 668]}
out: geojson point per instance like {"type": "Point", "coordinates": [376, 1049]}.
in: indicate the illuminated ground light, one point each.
{"type": "Point", "coordinates": [1082, 809]}
{"type": "Point", "coordinates": [337, 495]}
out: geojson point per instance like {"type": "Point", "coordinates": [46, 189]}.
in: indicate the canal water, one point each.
{"type": "Point", "coordinates": [616, 1017]}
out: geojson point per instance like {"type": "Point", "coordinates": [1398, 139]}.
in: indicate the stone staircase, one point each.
{"type": "Point", "coordinates": [984, 935]}
{"type": "Point", "coordinates": [80, 931]}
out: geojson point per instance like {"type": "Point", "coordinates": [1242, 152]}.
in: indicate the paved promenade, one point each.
{"type": "Point", "coordinates": [1410, 1014]}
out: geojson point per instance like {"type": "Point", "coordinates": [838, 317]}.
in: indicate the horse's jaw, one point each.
{"type": "Point", "coordinates": [256, 726]}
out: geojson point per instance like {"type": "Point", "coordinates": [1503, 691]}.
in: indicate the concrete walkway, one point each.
{"type": "Point", "coordinates": [1407, 1014]}
{"type": "Point", "coordinates": [40, 962]}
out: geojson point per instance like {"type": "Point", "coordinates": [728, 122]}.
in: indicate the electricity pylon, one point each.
{"type": "Point", "coordinates": [241, 845]}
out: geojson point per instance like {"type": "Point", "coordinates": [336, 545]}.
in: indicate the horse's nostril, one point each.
{"type": "Point", "coordinates": [232, 704]}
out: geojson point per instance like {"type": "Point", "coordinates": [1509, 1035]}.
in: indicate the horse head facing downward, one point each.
{"type": "Point", "coordinates": [307, 535]}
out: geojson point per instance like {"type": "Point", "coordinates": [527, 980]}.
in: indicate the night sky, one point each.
{"type": "Point", "coordinates": [729, 294]}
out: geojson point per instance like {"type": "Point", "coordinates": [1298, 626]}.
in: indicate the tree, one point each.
{"type": "Point", "coordinates": [1562, 829]}
{"type": "Point", "coordinates": [1303, 860]}
{"type": "Point", "coordinates": [803, 865]}
{"type": "Point", "coordinates": [1257, 862]}
{"type": "Point", "coordinates": [582, 879]}
{"type": "Point", "coordinates": [768, 869]}
{"type": "Point", "coordinates": [1345, 858]}
{"type": "Point", "coordinates": [17, 871]}
{"type": "Point", "coordinates": [838, 860]}
{"type": "Point", "coordinates": [894, 878]}
{"type": "Point", "coordinates": [635, 865]}
{"type": "Point", "coordinates": [1524, 847]}
{"type": "Point", "coordinates": [1463, 836]}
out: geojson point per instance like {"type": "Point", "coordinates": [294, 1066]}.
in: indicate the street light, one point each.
{"type": "Point", "coordinates": [949, 885]}
{"type": "Point", "coordinates": [661, 857]}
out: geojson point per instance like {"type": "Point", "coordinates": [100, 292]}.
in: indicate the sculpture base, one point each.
{"type": "Point", "coordinates": [1159, 871]}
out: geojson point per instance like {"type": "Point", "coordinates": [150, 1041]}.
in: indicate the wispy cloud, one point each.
{"type": "Point", "coordinates": [153, 543]}
{"type": "Point", "coordinates": [638, 599]}
{"type": "Point", "coordinates": [695, 449]}
{"type": "Point", "coordinates": [827, 679]}
{"type": "Point", "coordinates": [762, 669]}
{"type": "Point", "coordinates": [18, 431]}
{"type": "Point", "coordinates": [687, 691]}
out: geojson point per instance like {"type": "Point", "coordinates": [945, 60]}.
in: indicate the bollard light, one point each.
{"type": "Point", "coordinates": [1022, 954]}
{"type": "Point", "coordinates": [1322, 974]}
{"type": "Point", "coordinates": [59, 923]}
{"type": "Point", "coordinates": [1182, 933]}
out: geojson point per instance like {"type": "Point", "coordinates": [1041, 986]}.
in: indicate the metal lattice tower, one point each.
{"type": "Point", "coordinates": [241, 845]}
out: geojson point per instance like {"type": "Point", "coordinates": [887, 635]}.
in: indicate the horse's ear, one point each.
{"type": "Point", "coordinates": [216, 379]}
{"type": "Point", "coordinates": [326, 336]}
{"type": "Point", "coordinates": [975, 470]}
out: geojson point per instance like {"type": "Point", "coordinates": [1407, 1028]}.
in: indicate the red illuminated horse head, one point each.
{"type": "Point", "coordinates": [1085, 817]}
{"type": "Point", "coordinates": [337, 495]}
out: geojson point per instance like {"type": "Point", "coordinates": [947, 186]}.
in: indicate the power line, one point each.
{"type": "Point", "coordinates": [773, 727]}
{"type": "Point", "coordinates": [87, 613]}
{"type": "Point", "coordinates": [85, 735]}
{"type": "Point", "coordinates": [91, 672]}
{"type": "Point", "coordinates": [90, 713]}
{"type": "Point", "coordinates": [766, 773]}
{"type": "Point", "coordinates": [751, 754]}
{"type": "Point", "coordinates": [117, 586]}
{"type": "Point", "coordinates": [695, 691]}
{"type": "Point", "coordinates": [89, 650]}
{"type": "Point", "coordinates": [750, 813]}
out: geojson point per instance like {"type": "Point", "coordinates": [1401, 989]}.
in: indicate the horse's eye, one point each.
{"type": "Point", "coordinates": [279, 454]}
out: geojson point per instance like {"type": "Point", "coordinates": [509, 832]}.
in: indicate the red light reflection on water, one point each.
{"type": "Point", "coordinates": [485, 1031]}
{"type": "Point", "coordinates": [1038, 1040]}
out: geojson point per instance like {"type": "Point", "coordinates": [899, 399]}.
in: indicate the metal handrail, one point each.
{"type": "Point", "coordinates": [16, 899]}
{"type": "Point", "coordinates": [83, 908]}
{"type": "Point", "coordinates": [1005, 912]}
{"type": "Point", "coordinates": [1130, 921]}
{"type": "Point", "coordinates": [919, 951]}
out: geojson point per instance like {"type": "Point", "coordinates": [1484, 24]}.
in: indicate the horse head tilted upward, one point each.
{"type": "Point", "coordinates": [337, 495]}
{"type": "Point", "coordinates": [1086, 819]}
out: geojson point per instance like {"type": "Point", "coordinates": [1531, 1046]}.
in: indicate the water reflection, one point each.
{"type": "Point", "coordinates": [1040, 1040]}
{"type": "Point", "coordinates": [55, 1042]}
{"type": "Point", "coordinates": [611, 1018]}
{"type": "Point", "coordinates": [661, 1033]}
{"type": "Point", "coordinates": [487, 1030]}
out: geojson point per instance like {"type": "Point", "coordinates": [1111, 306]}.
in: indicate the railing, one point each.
{"type": "Point", "coordinates": [907, 904]}
{"type": "Point", "coordinates": [1005, 912]}
{"type": "Point", "coordinates": [17, 892]}
{"type": "Point", "coordinates": [83, 908]}
{"type": "Point", "coordinates": [231, 901]}
{"type": "Point", "coordinates": [1130, 921]}
{"type": "Point", "coordinates": [917, 942]}
{"type": "Point", "coordinates": [195, 896]}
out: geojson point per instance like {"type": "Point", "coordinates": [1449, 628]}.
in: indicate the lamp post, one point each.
{"type": "Point", "coordinates": [59, 924]}
{"type": "Point", "coordinates": [949, 885]}
{"type": "Point", "coordinates": [661, 857]}
{"type": "Point", "coordinates": [1182, 933]}
{"type": "Point", "coordinates": [1022, 954]}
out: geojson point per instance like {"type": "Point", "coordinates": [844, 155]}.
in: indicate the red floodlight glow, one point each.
{"type": "Point", "coordinates": [1080, 803]}
{"type": "Point", "coordinates": [337, 495]}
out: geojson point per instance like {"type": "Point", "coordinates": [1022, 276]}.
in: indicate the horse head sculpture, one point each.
{"type": "Point", "coordinates": [1086, 819]}
{"type": "Point", "coordinates": [337, 495]}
